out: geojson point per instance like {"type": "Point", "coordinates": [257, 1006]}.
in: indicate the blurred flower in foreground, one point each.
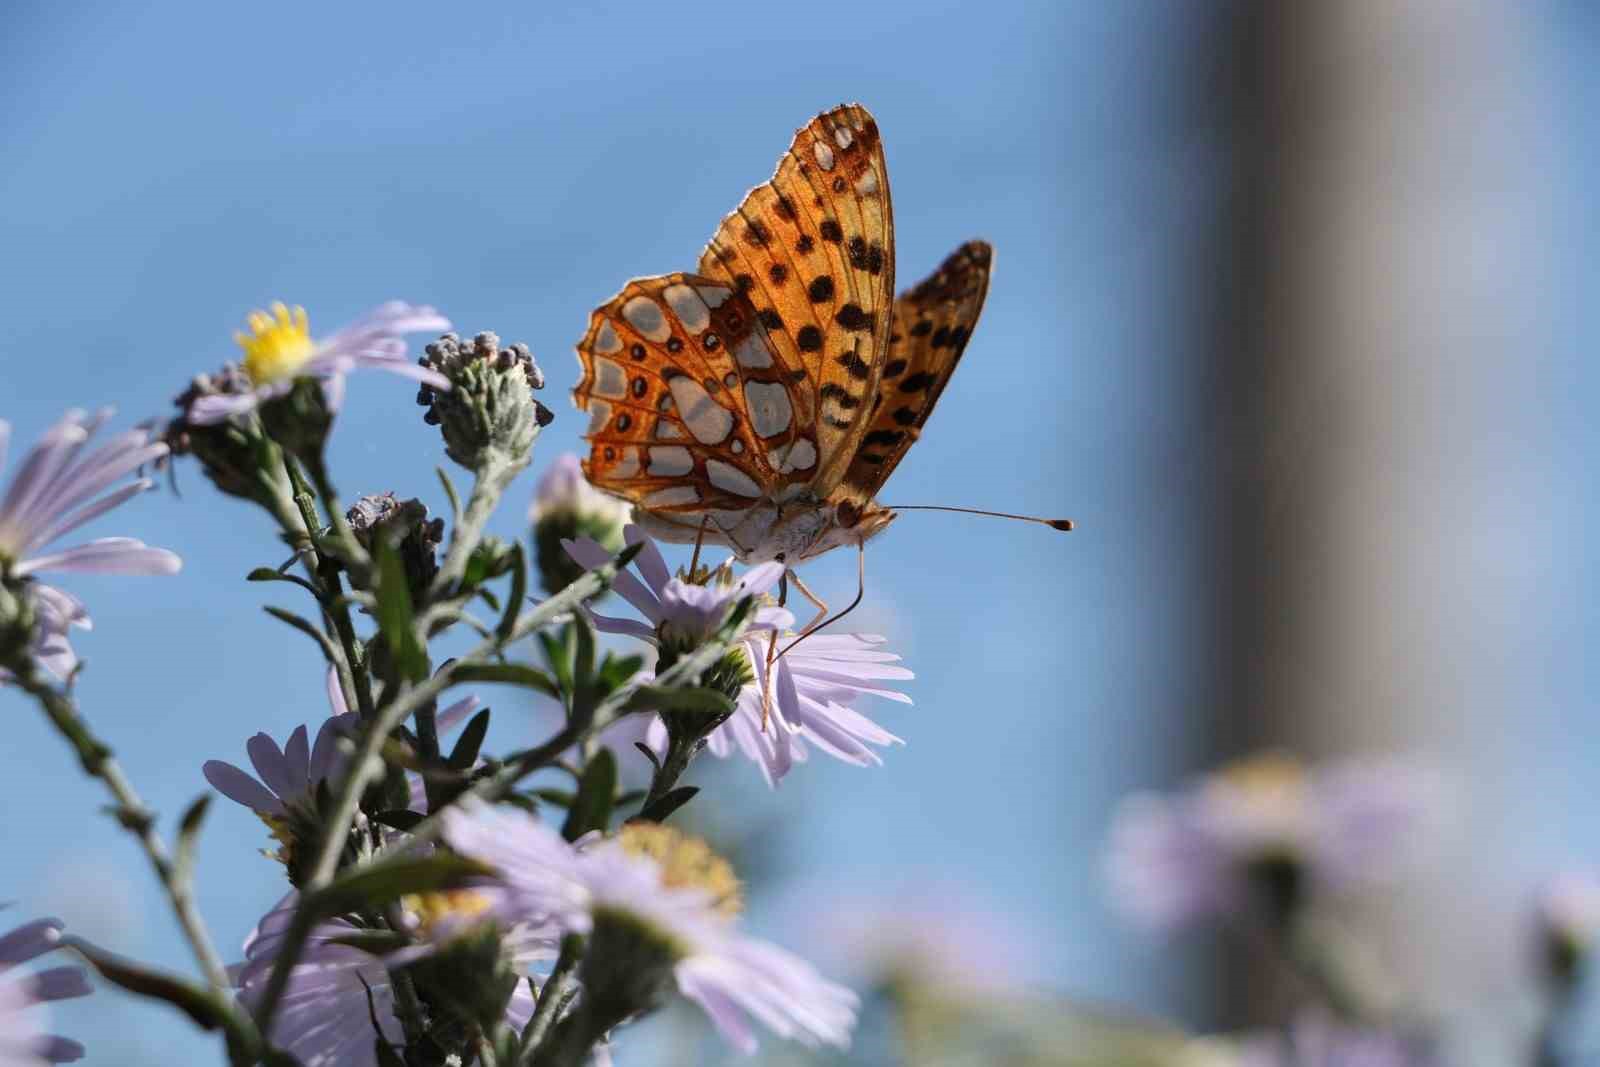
{"type": "Point", "coordinates": [808, 694]}
{"type": "Point", "coordinates": [337, 991]}
{"type": "Point", "coordinates": [1315, 1040]}
{"type": "Point", "coordinates": [280, 349]}
{"type": "Point", "coordinates": [658, 908]}
{"type": "Point", "coordinates": [1264, 833]}
{"type": "Point", "coordinates": [21, 1043]}
{"type": "Point", "coordinates": [55, 490]}
{"type": "Point", "coordinates": [1568, 916]}
{"type": "Point", "coordinates": [566, 507]}
{"type": "Point", "coordinates": [285, 791]}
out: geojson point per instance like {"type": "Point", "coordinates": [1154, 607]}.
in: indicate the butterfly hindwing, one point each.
{"type": "Point", "coordinates": [932, 323]}
{"type": "Point", "coordinates": [691, 410]}
{"type": "Point", "coordinates": [812, 249]}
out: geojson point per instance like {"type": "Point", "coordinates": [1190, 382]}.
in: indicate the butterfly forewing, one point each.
{"type": "Point", "coordinates": [932, 323]}
{"type": "Point", "coordinates": [813, 252]}
{"type": "Point", "coordinates": [691, 410]}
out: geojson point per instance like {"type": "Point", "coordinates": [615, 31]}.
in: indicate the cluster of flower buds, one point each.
{"type": "Point", "coordinates": [490, 407]}
{"type": "Point", "coordinates": [236, 454]}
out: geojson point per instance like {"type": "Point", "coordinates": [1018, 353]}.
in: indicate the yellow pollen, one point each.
{"type": "Point", "coordinates": [686, 862]}
{"type": "Point", "coordinates": [1269, 774]}
{"type": "Point", "coordinates": [279, 828]}
{"type": "Point", "coordinates": [432, 908]}
{"type": "Point", "coordinates": [278, 345]}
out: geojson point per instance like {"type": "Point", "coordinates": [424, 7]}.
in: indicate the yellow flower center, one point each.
{"type": "Point", "coordinates": [278, 345]}
{"type": "Point", "coordinates": [430, 909]}
{"type": "Point", "coordinates": [686, 862]}
{"type": "Point", "coordinates": [1271, 775]}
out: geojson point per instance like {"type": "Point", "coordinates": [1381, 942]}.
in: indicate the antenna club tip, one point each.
{"type": "Point", "coordinates": [1064, 525]}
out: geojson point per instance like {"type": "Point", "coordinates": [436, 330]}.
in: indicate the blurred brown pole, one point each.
{"type": "Point", "coordinates": [1371, 290]}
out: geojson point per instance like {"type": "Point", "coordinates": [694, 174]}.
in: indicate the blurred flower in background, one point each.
{"type": "Point", "coordinates": [22, 1044]}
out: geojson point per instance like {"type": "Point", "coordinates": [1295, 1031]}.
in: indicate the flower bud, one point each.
{"type": "Point", "coordinates": [405, 525]}
{"type": "Point", "coordinates": [17, 624]}
{"type": "Point", "coordinates": [490, 409]}
{"type": "Point", "coordinates": [300, 420]}
{"type": "Point", "coordinates": [235, 454]}
{"type": "Point", "coordinates": [566, 508]}
{"type": "Point", "coordinates": [1568, 916]}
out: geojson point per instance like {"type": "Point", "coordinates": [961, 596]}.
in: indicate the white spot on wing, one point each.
{"type": "Point", "coordinates": [687, 305]}
{"type": "Point", "coordinates": [823, 153]}
{"type": "Point", "coordinates": [867, 184]}
{"type": "Point", "coordinates": [770, 412]}
{"type": "Point", "coordinates": [727, 477]}
{"type": "Point", "coordinates": [610, 379]}
{"type": "Point", "coordinates": [672, 496]}
{"type": "Point", "coordinates": [714, 295]}
{"type": "Point", "coordinates": [668, 431]}
{"type": "Point", "coordinates": [645, 315]}
{"type": "Point", "coordinates": [753, 351]}
{"type": "Point", "coordinates": [599, 415]}
{"type": "Point", "coordinates": [669, 460]}
{"type": "Point", "coordinates": [800, 456]}
{"type": "Point", "coordinates": [607, 341]}
{"type": "Point", "coordinates": [708, 421]}
{"type": "Point", "coordinates": [842, 135]}
{"type": "Point", "coordinates": [628, 465]}
{"type": "Point", "coordinates": [737, 446]}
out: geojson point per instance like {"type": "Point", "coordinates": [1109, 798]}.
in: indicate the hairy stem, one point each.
{"type": "Point", "coordinates": [488, 484]}
{"type": "Point", "coordinates": [98, 762]}
{"type": "Point", "coordinates": [551, 995]}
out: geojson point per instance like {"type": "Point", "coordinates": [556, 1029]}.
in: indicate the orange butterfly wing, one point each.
{"type": "Point", "coordinates": [932, 323]}
{"type": "Point", "coordinates": [813, 251]}
{"type": "Point", "coordinates": [690, 413]}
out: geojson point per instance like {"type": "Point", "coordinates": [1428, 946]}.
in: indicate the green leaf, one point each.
{"type": "Point", "coordinates": [395, 620]}
{"type": "Point", "coordinates": [193, 1000]}
{"type": "Point", "coordinates": [557, 656]}
{"type": "Point", "coordinates": [583, 658]}
{"type": "Point", "coordinates": [465, 753]}
{"type": "Point", "coordinates": [617, 671]}
{"type": "Point", "coordinates": [510, 674]}
{"type": "Point", "coordinates": [377, 884]}
{"type": "Point", "coordinates": [649, 754]}
{"type": "Point", "coordinates": [189, 835]}
{"type": "Point", "coordinates": [668, 802]}
{"type": "Point", "coordinates": [561, 798]}
{"type": "Point", "coordinates": [519, 593]}
{"type": "Point", "coordinates": [329, 652]}
{"type": "Point", "coordinates": [597, 791]}
{"type": "Point", "coordinates": [271, 574]}
{"type": "Point", "coordinates": [688, 698]}
{"type": "Point", "coordinates": [450, 495]}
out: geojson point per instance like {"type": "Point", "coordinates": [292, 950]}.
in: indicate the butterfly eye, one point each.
{"type": "Point", "coordinates": [781, 557]}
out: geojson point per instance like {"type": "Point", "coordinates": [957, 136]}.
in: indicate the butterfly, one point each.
{"type": "Point", "coordinates": [762, 401]}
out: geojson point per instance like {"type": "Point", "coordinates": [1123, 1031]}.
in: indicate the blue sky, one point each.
{"type": "Point", "coordinates": [168, 168]}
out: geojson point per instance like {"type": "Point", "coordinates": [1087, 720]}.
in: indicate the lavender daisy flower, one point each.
{"type": "Point", "coordinates": [565, 506]}
{"type": "Point", "coordinates": [283, 791]}
{"type": "Point", "coordinates": [57, 488]}
{"type": "Point", "coordinates": [806, 699]}
{"type": "Point", "coordinates": [340, 998]}
{"type": "Point", "coordinates": [21, 1043]}
{"type": "Point", "coordinates": [1268, 828]}
{"type": "Point", "coordinates": [279, 349]}
{"type": "Point", "coordinates": [659, 909]}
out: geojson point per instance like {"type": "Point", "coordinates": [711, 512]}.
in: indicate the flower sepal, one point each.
{"type": "Point", "coordinates": [489, 414]}
{"type": "Point", "coordinates": [300, 419]}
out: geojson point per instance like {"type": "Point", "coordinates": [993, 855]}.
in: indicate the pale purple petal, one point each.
{"type": "Point", "coordinates": [29, 940]}
{"type": "Point", "coordinates": [297, 761]}
{"type": "Point", "coordinates": [107, 555]}
{"type": "Point", "coordinates": [60, 983]}
{"type": "Point", "coordinates": [88, 512]}
{"type": "Point", "coordinates": [456, 714]}
{"type": "Point", "coordinates": [590, 554]}
{"type": "Point", "coordinates": [267, 759]}
{"type": "Point", "coordinates": [652, 565]}
{"type": "Point", "coordinates": [239, 787]}
{"type": "Point", "coordinates": [213, 408]}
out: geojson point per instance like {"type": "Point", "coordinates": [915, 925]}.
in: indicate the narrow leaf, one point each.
{"type": "Point", "coordinates": [193, 1000]}
{"type": "Point", "coordinates": [668, 803]}
{"type": "Point", "coordinates": [688, 698]}
{"type": "Point", "coordinates": [465, 753]}
{"type": "Point", "coordinates": [189, 835]}
{"type": "Point", "coordinates": [519, 593]}
{"type": "Point", "coordinates": [450, 494]}
{"type": "Point", "coordinates": [649, 754]}
{"type": "Point", "coordinates": [597, 791]}
{"type": "Point", "coordinates": [398, 819]}
{"type": "Point", "coordinates": [394, 614]}
{"type": "Point", "coordinates": [270, 574]}
{"type": "Point", "coordinates": [510, 674]}
{"type": "Point", "coordinates": [375, 885]}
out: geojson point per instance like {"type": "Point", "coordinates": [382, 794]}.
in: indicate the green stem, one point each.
{"type": "Point", "coordinates": [488, 484]}
{"type": "Point", "coordinates": [681, 751]}
{"type": "Point", "coordinates": [365, 766]}
{"type": "Point", "coordinates": [97, 761]}
{"type": "Point", "coordinates": [554, 991]}
{"type": "Point", "coordinates": [574, 1039]}
{"type": "Point", "coordinates": [351, 666]}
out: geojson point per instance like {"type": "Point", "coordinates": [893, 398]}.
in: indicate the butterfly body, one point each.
{"type": "Point", "coordinates": [762, 401]}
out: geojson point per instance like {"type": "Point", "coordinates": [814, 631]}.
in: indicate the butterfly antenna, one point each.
{"type": "Point", "coordinates": [861, 590]}
{"type": "Point", "coordinates": [1063, 525]}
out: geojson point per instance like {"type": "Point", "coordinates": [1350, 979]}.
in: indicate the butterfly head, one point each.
{"type": "Point", "coordinates": [848, 523]}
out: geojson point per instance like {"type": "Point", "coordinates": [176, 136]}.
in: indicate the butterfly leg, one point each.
{"type": "Point", "coordinates": [772, 644]}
